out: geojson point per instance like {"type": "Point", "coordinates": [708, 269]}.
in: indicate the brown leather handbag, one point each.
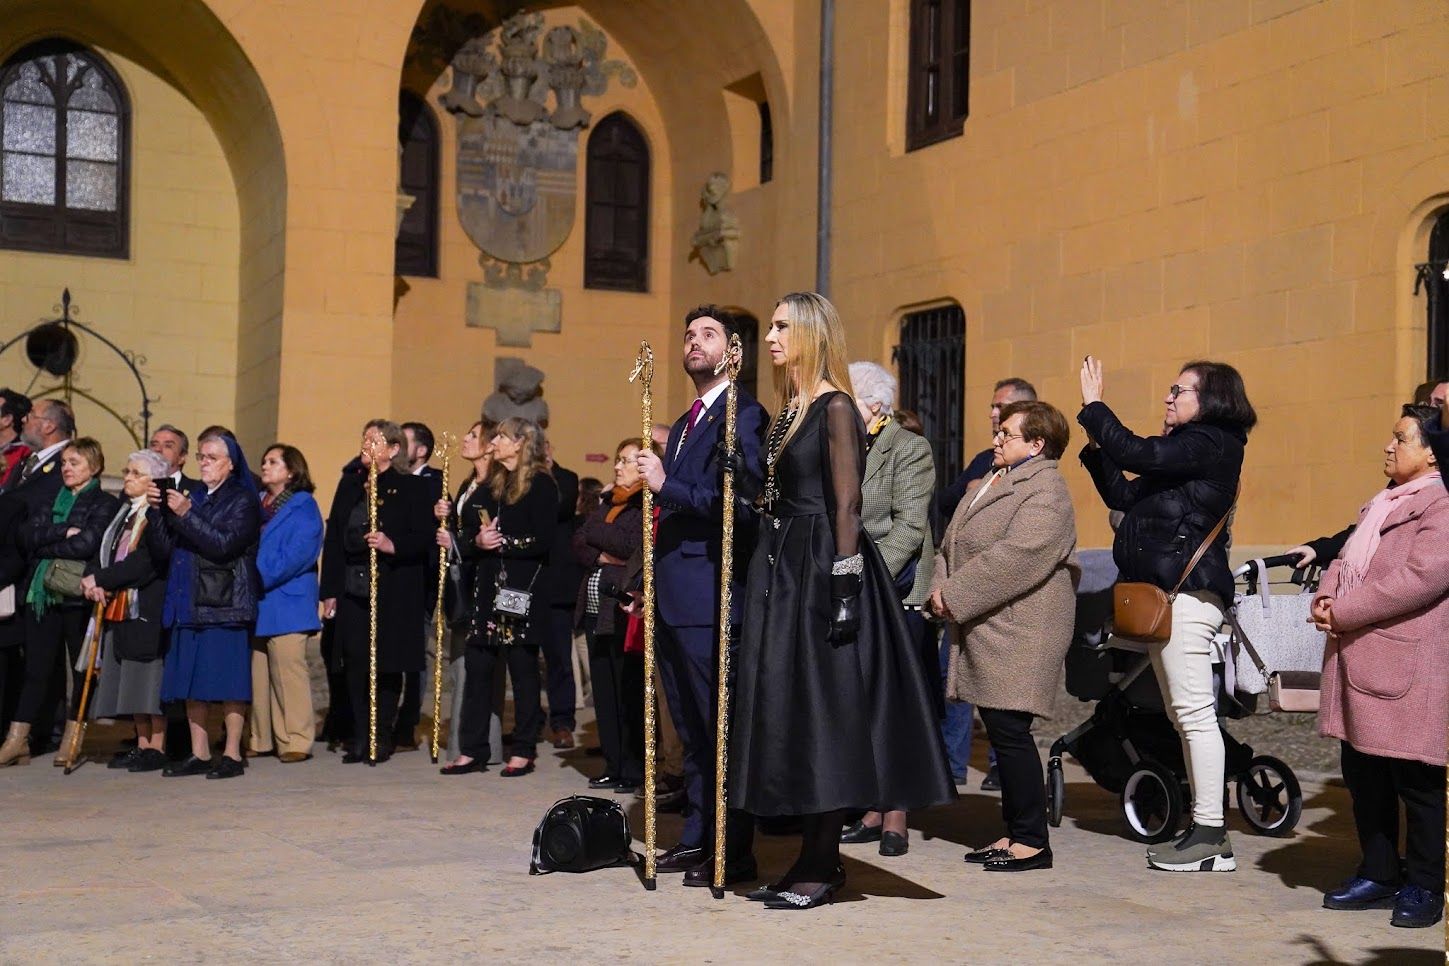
{"type": "Point", "coordinates": [1142, 611]}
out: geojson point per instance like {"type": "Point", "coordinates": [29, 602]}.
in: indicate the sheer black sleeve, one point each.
{"type": "Point", "coordinates": [844, 457]}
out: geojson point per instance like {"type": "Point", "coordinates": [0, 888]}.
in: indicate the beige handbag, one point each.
{"type": "Point", "coordinates": [1143, 611]}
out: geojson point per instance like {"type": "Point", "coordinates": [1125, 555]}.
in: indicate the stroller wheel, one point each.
{"type": "Point", "coordinates": [1056, 792]}
{"type": "Point", "coordinates": [1152, 802]}
{"type": "Point", "coordinates": [1269, 796]}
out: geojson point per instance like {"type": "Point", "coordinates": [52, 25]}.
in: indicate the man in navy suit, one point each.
{"type": "Point", "coordinates": [687, 481]}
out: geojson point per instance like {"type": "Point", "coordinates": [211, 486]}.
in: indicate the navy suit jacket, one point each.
{"type": "Point", "coordinates": [687, 547]}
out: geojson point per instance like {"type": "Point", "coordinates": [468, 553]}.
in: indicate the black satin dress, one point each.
{"type": "Point", "coordinates": [821, 726]}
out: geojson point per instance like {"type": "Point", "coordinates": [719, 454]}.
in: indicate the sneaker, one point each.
{"type": "Point", "coordinates": [1198, 857]}
{"type": "Point", "coordinates": [1170, 844]}
{"type": "Point", "coordinates": [1417, 907]}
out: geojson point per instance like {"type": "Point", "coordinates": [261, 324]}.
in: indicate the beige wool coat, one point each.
{"type": "Point", "coordinates": [1008, 572]}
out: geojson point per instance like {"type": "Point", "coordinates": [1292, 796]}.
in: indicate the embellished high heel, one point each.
{"type": "Point", "coordinates": [790, 899]}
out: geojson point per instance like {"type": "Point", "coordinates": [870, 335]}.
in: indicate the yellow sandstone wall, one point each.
{"type": "Point", "coordinates": [173, 301]}
{"type": "Point", "coordinates": [1155, 181]}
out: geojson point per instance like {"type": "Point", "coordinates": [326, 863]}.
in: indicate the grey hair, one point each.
{"type": "Point", "coordinates": [873, 383]}
{"type": "Point", "coordinates": [154, 462]}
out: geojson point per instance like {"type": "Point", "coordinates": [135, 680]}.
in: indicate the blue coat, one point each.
{"type": "Point", "coordinates": [687, 548]}
{"type": "Point", "coordinates": [287, 563]}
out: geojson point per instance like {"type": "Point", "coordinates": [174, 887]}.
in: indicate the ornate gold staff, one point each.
{"type": "Point", "coordinates": [374, 450]}
{"type": "Point", "coordinates": [445, 455]}
{"type": "Point", "coordinates": [93, 664]}
{"type": "Point", "coordinates": [644, 373]}
{"type": "Point", "coordinates": [729, 364]}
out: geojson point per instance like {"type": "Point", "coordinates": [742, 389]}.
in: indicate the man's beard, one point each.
{"type": "Point", "coordinates": [699, 367]}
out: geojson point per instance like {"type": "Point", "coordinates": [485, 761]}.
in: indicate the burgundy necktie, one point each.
{"type": "Point", "coordinates": [694, 412]}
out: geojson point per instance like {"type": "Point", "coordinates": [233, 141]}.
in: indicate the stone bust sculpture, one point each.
{"type": "Point", "coordinates": [718, 238]}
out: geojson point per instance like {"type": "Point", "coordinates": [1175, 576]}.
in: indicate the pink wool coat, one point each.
{"type": "Point", "coordinates": [1386, 672]}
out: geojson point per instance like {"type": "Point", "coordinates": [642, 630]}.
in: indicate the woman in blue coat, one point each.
{"type": "Point", "coordinates": [282, 720]}
{"type": "Point", "coordinates": [211, 598]}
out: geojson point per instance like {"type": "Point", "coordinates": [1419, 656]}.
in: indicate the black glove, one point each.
{"type": "Point", "coordinates": [844, 608]}
{"type": "Point", "coordinates": [748, 486]}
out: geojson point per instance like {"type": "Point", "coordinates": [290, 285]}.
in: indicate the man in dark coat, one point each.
{"type": "Point", "coordinates": [420, 443]}
{"type": "Point", "coordinates": [403, 539]}
{"type": "Point", "coordinates": [687, 480]}
{"type": "Point", "coordinates": [562, 577]}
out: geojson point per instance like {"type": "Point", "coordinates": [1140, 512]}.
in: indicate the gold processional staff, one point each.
{"type": "Point", "coordinates": [729, 364]}
{"type": "Point", "coordinates": [445, 455]}
{"type": "Point", "coordinates": [375, 450]}
{"type": "Point", "coordinates": [644, 374]}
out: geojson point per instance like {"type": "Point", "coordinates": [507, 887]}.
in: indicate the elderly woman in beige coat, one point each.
{"type": "Point", "coordinates": [1005, 584]}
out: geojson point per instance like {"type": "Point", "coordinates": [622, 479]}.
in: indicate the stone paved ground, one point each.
{"type": "Point", "coordinates": [331, 863]}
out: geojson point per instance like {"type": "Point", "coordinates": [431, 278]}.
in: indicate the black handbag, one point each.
{"type": "Point", "coordinates": [214, 585]}
{"type": "Point", "coordinates": [580, 834]}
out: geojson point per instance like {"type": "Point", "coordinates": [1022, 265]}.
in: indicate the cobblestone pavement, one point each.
{"type": "Point", "coordinates": [332, 863]}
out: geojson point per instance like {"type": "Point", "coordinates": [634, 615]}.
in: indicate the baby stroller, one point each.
{"type": "Point", "coordinates": [1129, 746]}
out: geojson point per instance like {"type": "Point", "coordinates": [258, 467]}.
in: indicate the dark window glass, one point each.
{"type": "Point", "coordinates": [1436, 290]}
{"type": "Point", "coordinates": [616, 207]}
{"type": "Point", "coordinates": [931, 359]}
{"type": "Point", "coordinates": [416, 249]}
{"type": "Point", "coordinates": [749, 329]}
{"type": "Point", "coordinates": [938, 71]}
{"type": "Point", "coordinates": [64, 152]}
{"type": "Point", "coordinates": [767, 144]}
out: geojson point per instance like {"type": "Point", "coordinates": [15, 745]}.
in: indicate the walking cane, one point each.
{"type": "Point", "coordinates": [644, 373]}
{"type": "Point", "coordinates": [445, 454]}
{"type": "Point", "coordinates": [93, 660]}
{"type": "Point", "coordinates": [376, 449]}
{"type": "Point", "coordinates": [729, 364]}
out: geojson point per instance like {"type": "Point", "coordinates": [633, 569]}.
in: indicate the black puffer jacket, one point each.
{"type": "Point", "coordinates": [43, 539]}
{"type": "Point", "coordinates": [1185, 482]}
{"type": "Point", "coordinates": [213, 579]}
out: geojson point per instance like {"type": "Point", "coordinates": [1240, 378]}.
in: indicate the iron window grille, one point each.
{"type": "Point", "coordinates": [931, 360]}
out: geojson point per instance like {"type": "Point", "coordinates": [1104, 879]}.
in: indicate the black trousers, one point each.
{"type": "Point", "coordinates": [338, 724]}
{"type": "Point", "coordinates": [1023, 786]}
{"type": "Point", "coordinates": [12, 675]}
{"type": "Point", "coordinates": [618, 682]}
{"type": "Point", "coordinates": [558, 660]}
{"type": "Point", "coordinates": [482, 665]}
{"type": "Point", "coordinates": [389, 690]}
{"type": "Point", "coordinates": [1377, 785]}
{"type": "Point", "coordinates": [52, 644]}
{"type": "Point", "coordinates": [410, 713]}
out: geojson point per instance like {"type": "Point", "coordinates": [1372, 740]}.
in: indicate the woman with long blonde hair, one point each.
{"type": "Point", "coordinates": [832, 708]}
{"type": "Point", "coordinates": [516, 516]}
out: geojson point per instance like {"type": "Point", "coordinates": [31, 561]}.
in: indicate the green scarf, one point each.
{"type": "Point", "coordinates": [38, 597]}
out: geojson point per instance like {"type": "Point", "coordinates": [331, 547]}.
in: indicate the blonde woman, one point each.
{"type": "Point", "coordinates": [517, 513]}
{"type": "Point", "coordinates": [833, 711]}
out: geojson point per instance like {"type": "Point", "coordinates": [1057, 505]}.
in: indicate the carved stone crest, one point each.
{"type": "Point", "coordinates": [517, 154]}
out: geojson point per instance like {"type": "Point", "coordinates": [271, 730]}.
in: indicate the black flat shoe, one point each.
{"type": "Point", "coordinates": [982, 856]}
{"type": "Point", "coordinates": [766, 893]}
{"type": "Point", "coordinates": [148, 760]}
{"type": "Point", "coordinates": [860, 832]}
{"type": "Point", "coordinates": [680, 858]}
{"type": "Point", "coordinates": [511, 772]}
{"type": "Point", "coordinates": [893, 843]}
{"type": "Point", "coordinates": [227, 768]}
{"type": "Point", "coordinates": [354, 757]}
{"type": "Point", "coordinates": [123, 760]}
{"type": "Point", "coordinates": [789, 899]}
{"type": "Point", "coordinates": [1042, 860]}
{"type": "Point", "coordinates": [191, 766]}
{"type": "Point", "coordinates": [603, 781]}
{"type": "Point", "coordinates": [622, 787]}
{"type": "Point", "coordinates": [476, 765]}
{"type": "Point", "coordinates": [737, 870]}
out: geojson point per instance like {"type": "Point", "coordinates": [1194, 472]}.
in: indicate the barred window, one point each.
{"type": "Point", "coordinates": [931, 359]}
{"type": "Point", "coordinates": [416, 249]}
{"type": "Point", "coordinates": [616, 207]}
{"type": "Point", "coordinates": [64, 152]}
{"type": "Point", "coordinates": [938, 71]}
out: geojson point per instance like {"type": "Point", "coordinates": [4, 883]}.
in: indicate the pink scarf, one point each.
{"type": "Point", "coordinates": [1363, 543]}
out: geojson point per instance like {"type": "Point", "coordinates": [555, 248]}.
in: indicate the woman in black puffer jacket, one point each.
{"type": "Point", "coordinates": [1187, 480]}
{"type": "Point", "coordinates": [60, 538]}
{"type": "Point", "coordinates": [211, 598]}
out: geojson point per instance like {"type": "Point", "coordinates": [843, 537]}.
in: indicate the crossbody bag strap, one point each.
{"type": "Point", "coordinates": [1247, 643]}
{"type": "Point", "coordinates": [1203, 547]}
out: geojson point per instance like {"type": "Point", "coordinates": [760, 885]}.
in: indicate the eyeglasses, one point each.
{"type": "Point", "coordinates": [208, 458]}
{"type": "Point", "coordinates": [1175, 391]}
{"type": "Point", "coordinates": [1003, 435]}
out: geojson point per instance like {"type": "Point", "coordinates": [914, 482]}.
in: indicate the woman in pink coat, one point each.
{"type": "Point", "coordinates": [1385, 604]}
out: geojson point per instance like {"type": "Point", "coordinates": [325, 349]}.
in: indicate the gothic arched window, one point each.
{"type": "Point", "coordinates": [64, 152]}
{"type": "Point", "coordinates": [616, 207]}
{"type": "Point", "coordinates": [416, 249]}
{"type": "Point", "coordinates": [1434, 277]}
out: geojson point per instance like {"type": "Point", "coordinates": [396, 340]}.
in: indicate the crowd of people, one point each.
{"type": "Point", "coordinates": [873, 614]}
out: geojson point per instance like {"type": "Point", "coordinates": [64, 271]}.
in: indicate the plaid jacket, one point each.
{"type": "Point", "coordinates": [895, 501]}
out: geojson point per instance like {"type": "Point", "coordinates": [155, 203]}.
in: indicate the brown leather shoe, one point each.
{"type": "Point", "coordinates": [563, 738]}
{"type": "Point", "coordinates": [292, 757]}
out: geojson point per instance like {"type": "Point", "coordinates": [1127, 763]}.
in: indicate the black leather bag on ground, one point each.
{"type": "Point", "coordinates": [581, 834]}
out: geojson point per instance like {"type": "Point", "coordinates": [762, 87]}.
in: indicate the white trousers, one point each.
{"type": "Point", "coordinates": [1184, 667]}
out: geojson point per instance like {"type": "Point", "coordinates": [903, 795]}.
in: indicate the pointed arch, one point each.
{"type": "Point", "coordinates": [616, 206]}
